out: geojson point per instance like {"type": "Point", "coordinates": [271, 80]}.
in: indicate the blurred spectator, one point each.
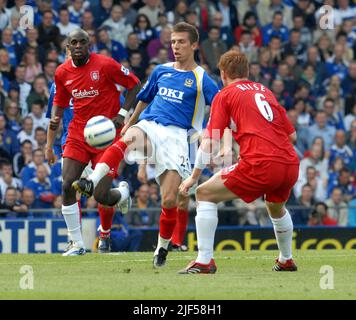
{"type": "Point", "coordinates": [256, 74]}
{"type": "Point", "coordinates": [306, 36]}
{"type": "Point", "coordinates": [49, 71]}
{"type": "Point", "coordinates": [251, 214]}
{"type": "Point", "coordinates": [300, 145]}
{"type": "Point", "coordinates": [27, 132]}
{"type": "Point", "coordinates": [307, 9]}
{"type": "Point", "coordinates": [247, 46]}
{"type": "Point", "coordinates": [244, 6]}
{"type": "Point", "coordinates": [264, 60]}
{"type": "Point", "coordinates": [102, 11]}
{"type": "Point", "coordinates": [350, 118]}
{"type": "Point", "coordinates": [225, 32]}
{"type": "Point", "coordinates": [144, 30]}
{"type": "Point", "coordinates": [304, 115]}
{"type": "Point", "coordinates": [22, 158]}
{"type": "Point", "coordinates": [151, 10]}
{"type": "Point", "coordinates": [142, 218]}
{"type": "Point", "coordinates": [133, 46]}
{"type": "Point", "coordinates": [29, 171]}
{"type": "Point", "coordinates": [6, 69]}
{"type": "Point", "coordinates": [76, 11]}
{"type": "Point", "coordinates": [229, 14]}
{"type": "Point", "coordinates": [349, 82]}
{"type": "Point", "coordinates": [295, 46]}
{"type": "Point", "coordinates": [164, 41]}
{"type": "Point", "coordinates": [27, 199]}
{"type": "Point", "coordinates": [295, 70]}
{"type": "Point", "coordinates": [316, 160]}
{"type": "Point", "coordinates": [162, 57]}
{"type": "Point", "coordinates": [24, 88]}
{"type": "Point", "coordinates": [270, 7]}
{"type": "Point", "coordinates": [346, 10]}
{"type": "Point", "coordinates": [315, 182]}
{"type": "Point", "coordinates": [64, 25]}
{"type": "Point", "coordinates": [48, 33]}
{"type": "Point", "coordinates": [320, 216]}
{"type": "Point", "coordinates": [32, 66]}
{"type": "Point", "coordinates": [128, 12]}
{"type": "Point", "coordinates": [179, 13]}
{"type": "Point", "coordinates": [344, 183]}
{"type": "Point", "coordinates": [275, 29]}
{"type": "Point", "coordinates": [334, 118]}
{"type": "Point", "coordinates": [282, 95]}
{"type": "Point", "coordinates": [337, 207]}
{"type": "Point", "coordinates": [162, 23]}
{"type": "Point", "coordinates": [336, 64]}
{"type": "Point", "coordinates": [275, 48]}
{"type": "Point", "coordinates": [313, 59]}
{"type": "Point", "coordinates": [322, 129]}
{"type": "Point", "coordinates": [40, 138]}
{"type": "Point", "coordinates": [118, 52]}
{"type": "Point", "coordinates": [284, 74]}
{"type": "Point", "coordinates": [57, 204]}
{"type": "Point", "coordinates": [9, 139]}
{"type": "Point", "coordinates": [341, 150]}
{"type": "Point", "coordinates": [249, 24]}
{"type": "Point", "coordinates": [334, 171]}
{"type": "Point", "coordinates": [212, 48]}
{"type": "Point", "coordinates": [12, 203]}
{"type": "Point", "coordinates": [205, 11]}
{"type": "Point", "coordinates": [325, 47]}
{"type": "Point", "coordinates": [341, 39]}
{"type": "Point", "coordinates": [14, 50]}
{"type": "Point", "coordinates": [39, 92]}
{"type": "Point", "coordinates": [306, 202]}
{"type": "Point", "coordinates": [38, 115]}
{"type": "Point", "coordinates": [42, 188]}
{"type": "Point", "coordinates": [13, 116]}
{"type": "Point", "coordinates": [136, 64]}
{"type": "Point", "coordinates": [87, 22]}
{"type": "Point", "coordinates": [119, 28]}
{"type": "Point", "coordinates": [7, 180]}
{"type": "Point", "coordinates": [5, 15]}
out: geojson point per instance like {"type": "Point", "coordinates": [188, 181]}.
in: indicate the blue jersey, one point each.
{"type": "Point", "coordinates": [177, 97]}
{"type": "Point", "coordinates": [68, 113]}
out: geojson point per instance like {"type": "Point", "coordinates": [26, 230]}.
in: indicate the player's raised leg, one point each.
{"type": "Point", "coordinates": [72, 170]}
{"type": "Point", "coordinates": [169, 183]}
{"type": "Point", "coordinates": [208, 195]}
{"type": "Point", "coordinates": [283, 230]}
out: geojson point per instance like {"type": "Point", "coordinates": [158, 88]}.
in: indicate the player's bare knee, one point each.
{"type": "Point", "coordinates": [183, 203]}
{"type": "Point", "coordinates": [169, 201]}
{"type": "Point", "coordinates": [101, 197]}
{"type": "Point", "coordinates": [203, 194]}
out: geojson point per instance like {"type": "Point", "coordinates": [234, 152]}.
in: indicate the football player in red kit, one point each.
{"type": "Point", "coordinates": [268, 165]}
{"type": "Point", "coordinates": [92, 81]}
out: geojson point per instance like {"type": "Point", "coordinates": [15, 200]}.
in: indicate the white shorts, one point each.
{"type": "Point", "coordinates": [170, 150]}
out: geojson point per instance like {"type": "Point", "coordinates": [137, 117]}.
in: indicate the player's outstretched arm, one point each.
{"type": "Point", "coordinates": [202, 158]}
{"type": "Point", "coordinates": [57, 114]}
{"type": "Point", "coordinates": [129, 101]}
{"type": "Point", "coordinates": [133, 119]}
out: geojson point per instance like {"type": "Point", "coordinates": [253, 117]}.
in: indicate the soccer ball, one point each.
{"type": "Point", "coordinates": [99, 132]}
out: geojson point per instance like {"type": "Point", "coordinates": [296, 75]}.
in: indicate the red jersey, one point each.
{"type": "Point", "coordinates": [258, 123]}
{"type": "Point", "coordinates": [93, 87]}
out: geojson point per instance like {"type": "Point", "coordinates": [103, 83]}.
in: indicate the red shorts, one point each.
{"type": "Point", "coordinates": [252, 180]}
{"type": "Point", "coordinates": [77, 149]}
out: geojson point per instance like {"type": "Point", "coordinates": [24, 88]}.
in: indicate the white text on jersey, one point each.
{"type": "Point", "coordinates": [84, 93]}
{"type": "Point", "coordinates": [254, 86]}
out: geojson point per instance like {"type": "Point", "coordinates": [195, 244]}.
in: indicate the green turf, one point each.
{"type": "Point", "coordinates": [241, 275]}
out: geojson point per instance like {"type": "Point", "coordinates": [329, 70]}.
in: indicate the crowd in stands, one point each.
{"type": "Point", "coordinates": [304, 54]}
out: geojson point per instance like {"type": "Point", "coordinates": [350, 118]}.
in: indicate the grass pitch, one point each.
{"type": "Point", "coordinates": [241, 275]}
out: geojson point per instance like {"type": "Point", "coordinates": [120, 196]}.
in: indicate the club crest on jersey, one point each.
{"type": "Point", "coordinates": [188, 82]}
{"type": "Point", "coordinates": [94, 75]}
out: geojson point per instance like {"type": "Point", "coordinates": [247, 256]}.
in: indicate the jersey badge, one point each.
{"type": "Point", "coordinates": [188, 82]}
{"type": "Point", "coordinates": [94, 75]}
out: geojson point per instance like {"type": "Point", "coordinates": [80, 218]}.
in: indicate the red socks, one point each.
{"type": "Point", "coordinates": [181, 227]}
{"type": "Point", "coordinates": [114, 155]}
{"type": "Point", "coordinates": [167, 222]}
{"type": "Point", "coordinates": [106, 216]}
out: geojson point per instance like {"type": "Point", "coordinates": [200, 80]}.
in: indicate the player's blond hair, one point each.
{"type": "Point", "coordinates": [234, 64]}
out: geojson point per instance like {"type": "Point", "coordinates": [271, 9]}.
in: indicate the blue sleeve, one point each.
{"type": "Point", "coordinates": [210, 89]}
{"type": "Point", "coordinates": [149, 90]}
{"type": "Point", "coordinates": [50, 101]}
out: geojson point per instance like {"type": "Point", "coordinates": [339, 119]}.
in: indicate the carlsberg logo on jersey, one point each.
{"type": "Point", "coordinates": [171, 94]}
{"type": "Point", "coordinates": [84, 93]}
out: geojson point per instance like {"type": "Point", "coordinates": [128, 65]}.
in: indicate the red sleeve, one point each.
{"type": "Point", "coordinates": [120, 75]}
{"type": "Point", "coordinates": [219, 117]}
{"type": "Point", "coordinates": [62, 96]}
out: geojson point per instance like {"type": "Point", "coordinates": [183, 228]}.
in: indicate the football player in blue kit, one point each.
{"type": "Point", "coordinates": [171, 105]}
